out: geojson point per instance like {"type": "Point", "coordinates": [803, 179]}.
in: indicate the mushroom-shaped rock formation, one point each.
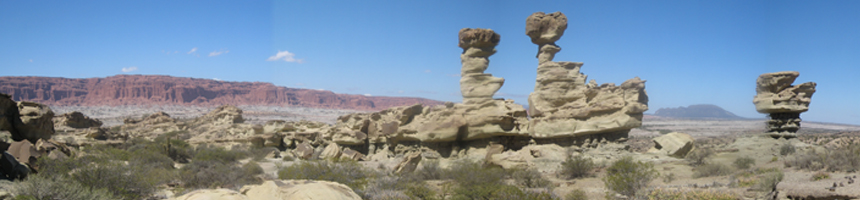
{"type": "Point", "coordinates": [782, 101]}
{"type": "Point", "coordinates": [563, 105]}
{"type": "Point", "coordinates": [478, 45]}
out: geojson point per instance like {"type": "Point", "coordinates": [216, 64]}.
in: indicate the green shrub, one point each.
{"type": "Point", "coordinates": [430, 170]}
{"type": "Point", "coordinates": [214, 174]}
{"type": "Point", "coordinates": [744, 162]}
{"type": "Point", "coordinates": [420, 191]}
{"type": "Point", "coordinates": [577, 166]}
{"type": "Point", "coordinates": [698, 156]}
{"type": "Point", "coordinates": [576, 194]}
{"type": "Point", "coordinates": [668, 178]}
{"type": "Point", "coordinates": [711, 169]}
{"type": "Point", "coordinates": [474, 181]}
{"type": "Point", "coordinates": [626, 176]}
{"type": "Point", "coordinates": [845, 158]}
{"type": "Point", "coordinates": [787, 149]}
{"type": "Point", "coordinates": [769, 181]}
{"type": "Point", "coordinates": [466, 172]}
{"type": "Point", "coordinates": [348, 172]}
{"type": "Point", "coordinates": [37, 187]}
{"type": "Point", "coordinates": [681, 194]}
{"type": "Point", "coordinates": [820, 176]}
{"type": "Point", "coordinates": [529, 178]}
{"type": "Point", "coordinates": [220, 154]}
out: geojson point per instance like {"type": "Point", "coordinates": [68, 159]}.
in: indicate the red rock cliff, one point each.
{"type": "Point", "coordinates": [159, 90]}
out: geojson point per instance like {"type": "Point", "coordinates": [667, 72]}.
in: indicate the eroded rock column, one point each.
{"type": "Point", "coordinates": [478, 45]}
{"type": "Point", "coordinates": [782, 101]}
{"type": "Point", "coordinates": [563, 105]}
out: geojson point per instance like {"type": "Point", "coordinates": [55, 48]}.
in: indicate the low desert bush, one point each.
{"type": "Point", "coordinates": [220, 154]}
{"type": "Point", "coordinates": [429, 170]}
{"type": "Point", "coordinates": [347, 172]}
{"type": "Point", "coordinates": [699, 156]}
{"type": "Point", "coordinates": [38, 187]}
{"type": "Point", "coordinates": [576, 194]}
{"type": "Point", "coordinates": [577, 166]}
{"type": "Point", "coordinates": [787, 149]}
{"type": "Point", "coordinates": [474, 181]}
{"type": "Point", "coordinates": [668, 178]}
{"type": "Point", "coordinates": [759, 179]}
{"type": "Point", "coordinates": [820, 176]}
{"type": "Point", "coordinates": [626, 176]}
{"type": "Point", "coordinates": [218, 174]}
{"type": "Point", "coordinates": [744, 162]}
{"type": "Point", "coordinates": [529, 178]}
{"type": "Point", "coordinates": [846, 158]}
{"type": "Point", "coordinates": [682, 194]}
{"type": "Point", "coordinates": [711, 169]}
{"type": "Point", "coordinates": [769, 181]}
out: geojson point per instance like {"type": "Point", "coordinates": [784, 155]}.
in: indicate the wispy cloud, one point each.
{"type": "Point", "coordinates": [285, 56]}
{"type": "Point", "coordinates": [368, 95]}
{"type": "Point", "coordinates": [129, 69]}
{"type": "Point", "coordinates": [192, 50]}
{"type": "Point", "coordinates": [31, 60]}
{"type": "Point", "coordinates": [453, 75]}
{"type": "Point", "coordinates": [427, 71]}
{"type": "Point", "coordinates": [216, 53]}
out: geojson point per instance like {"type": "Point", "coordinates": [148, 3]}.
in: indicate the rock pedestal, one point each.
{"type": "Point", "coordinates": [478, 45]}
{"type": "Point", "coordinates": [782, 101]}
{"type": "Point", "coordinates": [563, 105]}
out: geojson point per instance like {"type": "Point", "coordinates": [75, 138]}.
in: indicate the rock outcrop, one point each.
{"type": "Point", "coordinates": [673, 144]}
{"type": "Point", "coordinates": [478, 45]}
{"type": "Point", "coordinates": [299, 189]}
{"type": "Point", "coordinates": [782, 101]}
{"type": "Point", "coordinates": [161, 90]}
{"type": "Point", "coordinates": [212, 194]}
{"type": "Point", "coordinates": [37, 121]}
{"type": "Point", "coordinates": [76, 120]}
{"type": "Point", "coordinates": [563, 105]}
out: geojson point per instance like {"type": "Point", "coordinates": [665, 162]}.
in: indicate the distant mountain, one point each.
{"type": "Point", "coordinates": [697, 111]}
{"type": "Point", "coordinates": [168, 90]}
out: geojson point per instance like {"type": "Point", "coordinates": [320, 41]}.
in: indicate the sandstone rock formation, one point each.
{"type": "Point", "coordinates": [409, 163]}
{"type": "Point", "coordinates": [76, 120]}
{"type": "Point", "coordinates": [299, 189]}
{"type": "Point", "coordinates": [212, 194]}
{"type": "Point", "coordinates": [37, 121]}
{"type": "Point", "coordinates": [673, 144]}
{"type": "Point", "coordinates": [478, 45]}
{"type": "Point", "coordinates": [782, 101]}
{"type": "Point", "coordinates": [563, 105]}
{"type": "Point", "coordinates": [159, 90]}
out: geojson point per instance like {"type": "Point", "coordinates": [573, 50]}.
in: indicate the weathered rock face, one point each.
{"type": "Point", "coordinates": [563, 105]}
{"type": "Point", "coordinates": [782, 101]}
{"type": "Point", "coordinates": [159, 90]}
{"type": "Point", "coordinates": [37, 121]}
{"type": "Point", "coordinates": [299, 189]}
{"type": "Point", "coordinates": [478, 45]}
{"type": "Point", "coordinates": [10, 119]}
{"type": "Point", "coordinates": [212, 194]}
{"type": "Point", "coordinates": [673, 144]}
{"type": "Point", "coordinates": [76, 120]}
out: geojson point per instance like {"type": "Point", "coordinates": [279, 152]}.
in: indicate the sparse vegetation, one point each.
{"type": "Point", "coordinates": [744, 162]}
{"type": "Point", "coordinates": [626, 176]}
{"type": "Point", "coordinates": [820, 176]}
{"type": "Point", "coordinates": [38, 187]}
{"type": "Point", "coordinates": [711, 169]}
{"type": "Point", "coordinates": [686, 194]}
{"type": "Point", "coordinates": [668, 178]}
{"type": "Point", "coordinates": [576, 194]}
{"type": "Point", "coordinates": [529, 178]}
{"type": "Point", "coordinates": [846, 158]}
{"type": "Point", "coordinates": [577, 166]}
{"type": "Point", "coordinates": [348, 172]}
{"type": "Point", "coordinates": [787, 149]}
{"type": "Point", "coordinates": [698, 156]}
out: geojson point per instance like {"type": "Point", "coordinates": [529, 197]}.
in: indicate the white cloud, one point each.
{"type": "Point", "coordinates": [400, 91]}
{"type": "Point", "coordinates": [285, 56]}
{"type": "Point", "coordinates": [427, 71]}
{"type": "Point", "coordinates": [217, 79]}
{"type": "Point", "coordinates": [216, 53]}
{"type": "Point", "coordinates": [129, 69]}
{"type": "Point", "coordinates": [192, 50]}
{"type": "Point", "coordinates": [31, 60]}
{"type": "Point", "coordinates": [368, 95]}
{"type": "Point", "coordinates": [453, 75]}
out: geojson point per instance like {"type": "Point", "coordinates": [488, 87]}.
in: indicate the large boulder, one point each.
{"type": "Point", "coordinates": [299, 190]}
{"type": "Point", "coordinates": [37, 121]}
{"type": "Point", "coordinates": [409, 163]}
{"type": "Point", "coordinates": [563, 105]}
{"type": "Point", "coordinates": [76, 120]}
{"type": "Point", "coordinates": [673, 144]}
{"type": "Point", "coordinates": [212, 194]}
{"type": "Point", "coordinates": [10, 118]}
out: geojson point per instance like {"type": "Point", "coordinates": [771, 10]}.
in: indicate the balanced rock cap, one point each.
{"type": "Point", "coordinates": [480, 38]}
{"type": "Point", "coordinates": [546, 28]}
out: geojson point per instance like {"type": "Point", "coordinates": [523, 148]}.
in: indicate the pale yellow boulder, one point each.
{"type": "Point", "coordinates": [212, 194]}
{"type": "Point", "coordinates": [673, 144]}
{"type": "Point", "coordinates": [299, 190]}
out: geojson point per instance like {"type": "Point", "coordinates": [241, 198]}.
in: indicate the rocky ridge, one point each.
{"type": "Point", "coordinates": [167, 90]}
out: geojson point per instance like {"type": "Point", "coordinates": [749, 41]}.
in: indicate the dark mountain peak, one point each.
{"type": "Point", "coordinates": [697, 111]}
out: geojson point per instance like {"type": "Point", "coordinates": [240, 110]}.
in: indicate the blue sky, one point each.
{"type": "Point", "coordinates": [690, 52]}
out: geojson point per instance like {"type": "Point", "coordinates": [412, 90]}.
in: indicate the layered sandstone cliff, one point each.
{"type": "Point", "coordinates": [160, 90]}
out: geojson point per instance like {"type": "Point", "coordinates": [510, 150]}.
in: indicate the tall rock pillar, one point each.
{"type": "Point", "coordinates": [478, 45]}
{"type": "Point", "coordinates": [563, 105]}
{"type": "Point", "coordinates": [782, 101]}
